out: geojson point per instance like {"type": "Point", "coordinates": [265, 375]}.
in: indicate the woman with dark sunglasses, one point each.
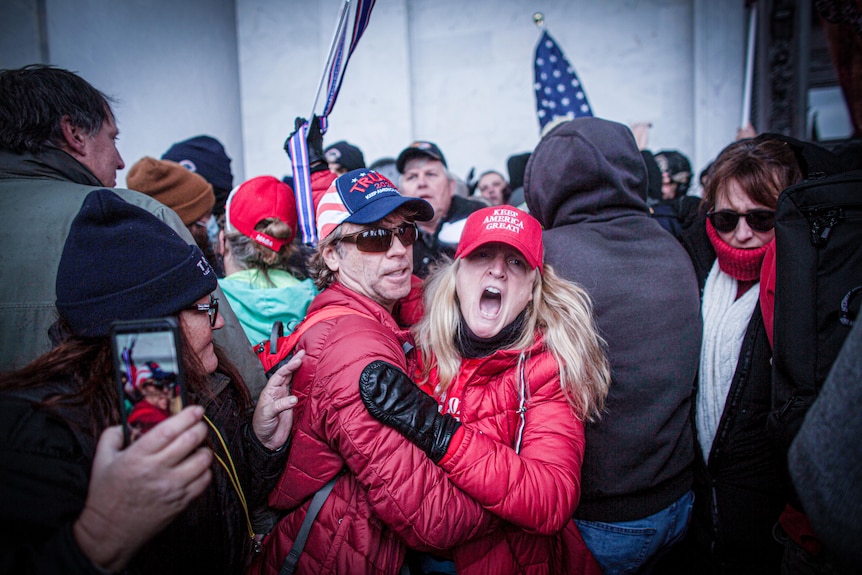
{"type": "Point", "coordinates": [182, 497]}
{"type": "Point", "coordinates": [738, 478]}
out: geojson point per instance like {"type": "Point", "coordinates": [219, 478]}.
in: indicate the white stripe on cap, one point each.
{"type": "Point", "coordinates": [331, 211]}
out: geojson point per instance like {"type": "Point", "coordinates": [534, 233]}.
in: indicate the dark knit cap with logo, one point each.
{"type": "Point", "coordinates": [120, 262]}
{"type": "Point", "coordinates": [206, 156]}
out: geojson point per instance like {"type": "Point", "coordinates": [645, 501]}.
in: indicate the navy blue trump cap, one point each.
{"type": "Point", "coordinates": [363, 197]}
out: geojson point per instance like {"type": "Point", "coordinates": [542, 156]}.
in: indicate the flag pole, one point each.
{"type": "Point", "coordinates": [342, 19]}
{"type": "Point", "coordinates": [749, 66]}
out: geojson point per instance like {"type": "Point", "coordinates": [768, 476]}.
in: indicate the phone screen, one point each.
{"type": "Point", "coordinates": [148, 373]}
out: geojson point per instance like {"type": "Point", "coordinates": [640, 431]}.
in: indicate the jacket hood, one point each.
{"type": "Point", "coordinates": [586, 169]}
{"type": "Point", "coordinates": [814, 160]}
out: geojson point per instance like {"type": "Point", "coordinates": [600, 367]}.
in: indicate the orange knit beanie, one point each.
{"type": "Point", "coordinates": [187, 193]}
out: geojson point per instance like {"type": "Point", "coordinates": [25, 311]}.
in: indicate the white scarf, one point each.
{"type": "Point", "coordinates": [725, 320]}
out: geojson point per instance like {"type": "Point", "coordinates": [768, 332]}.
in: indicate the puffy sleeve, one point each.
{"type": "Point", "coordinates": [408, 492]}
{"type": "Point", "coordinates": [537, 489]}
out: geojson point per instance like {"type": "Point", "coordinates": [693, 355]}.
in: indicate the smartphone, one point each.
{"type": "Point", "coordinates": [148, 371]}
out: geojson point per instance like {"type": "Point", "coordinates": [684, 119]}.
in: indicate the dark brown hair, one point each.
{"type": "Point", "coordinates": [34, 100]}
{"type": "Point", "coordinates": [762, 167]}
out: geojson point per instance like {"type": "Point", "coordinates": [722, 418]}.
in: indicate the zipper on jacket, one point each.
{"type": "Point", "coordinates": [822, 224]}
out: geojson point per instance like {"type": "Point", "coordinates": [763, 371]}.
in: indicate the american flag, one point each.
{"type": "Point", "coordinates": [559, 93]}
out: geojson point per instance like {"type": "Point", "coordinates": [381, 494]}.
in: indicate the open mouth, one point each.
{"type": "Point", "coordinates": [490, 302]}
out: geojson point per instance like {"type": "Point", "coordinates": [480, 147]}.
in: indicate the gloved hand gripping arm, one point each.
{"type": "Point", "coordinates": [394, 400]}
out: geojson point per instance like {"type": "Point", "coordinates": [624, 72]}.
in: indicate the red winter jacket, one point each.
{"type": "Point", "coordinates": [535, 491]}
{"type": "Point", "coordinates": [390, 494]}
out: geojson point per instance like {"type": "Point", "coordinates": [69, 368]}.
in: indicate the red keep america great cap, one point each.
{"type": "Point", "coordinates": [506, 225]}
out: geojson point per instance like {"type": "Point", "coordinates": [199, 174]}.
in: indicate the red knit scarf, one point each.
{"type": "Point", "coordinates": [741, 264]}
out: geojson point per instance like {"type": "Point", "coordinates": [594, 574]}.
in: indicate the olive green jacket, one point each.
{"type": "Point", "coordinates": [40, 194]}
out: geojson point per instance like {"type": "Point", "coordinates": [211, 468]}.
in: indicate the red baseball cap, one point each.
{"type": "Point", "coordinates": [506, 225]}
{"type": "Point", "coordinates": [257, 199]}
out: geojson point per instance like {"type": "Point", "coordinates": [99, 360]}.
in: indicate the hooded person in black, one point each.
{"type": "Point", "coordinates": [586, 183]}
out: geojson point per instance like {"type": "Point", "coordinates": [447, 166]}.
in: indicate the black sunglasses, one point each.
{"type": "Point", "coordinates": [758, 220]}
{"type": "Point", "coordinates": [379, 239]}
{"type": "Point", "coordinates": [211, 308]}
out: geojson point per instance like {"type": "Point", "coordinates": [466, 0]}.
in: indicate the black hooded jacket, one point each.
{"type": "Point", "coordinates": [585, 183]}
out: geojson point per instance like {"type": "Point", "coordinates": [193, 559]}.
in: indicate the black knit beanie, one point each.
{"type": "Point", "coordinates": [120, 262]}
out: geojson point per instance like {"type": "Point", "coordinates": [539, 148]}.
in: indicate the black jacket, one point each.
{"type": "Point", "coordinates": [45, 460]}
{"type": "Point", "coordinates": [586, 183]}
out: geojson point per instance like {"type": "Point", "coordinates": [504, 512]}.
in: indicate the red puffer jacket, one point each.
{"type": "Point", "coordinates": [390, 495]}
{"type": "Point", "coordinates": [535, 491]}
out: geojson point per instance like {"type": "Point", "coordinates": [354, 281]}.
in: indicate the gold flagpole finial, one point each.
{"type": "Point", "coordinates": [539, 19]}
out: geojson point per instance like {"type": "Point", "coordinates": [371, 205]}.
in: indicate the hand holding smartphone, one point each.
{"type": "Point", "coordinates": [148, 372]}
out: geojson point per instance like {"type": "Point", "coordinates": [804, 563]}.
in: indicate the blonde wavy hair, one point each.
{"type": "Point", "coordinates": [561, 310]}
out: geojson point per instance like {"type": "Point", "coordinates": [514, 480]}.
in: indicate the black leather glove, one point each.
{"type": "Point", "coordinates": [314, 140]}
{"type": "Point", "coordinates": [394, 400]}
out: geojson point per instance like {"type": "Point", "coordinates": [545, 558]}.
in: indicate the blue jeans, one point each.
{"type": "Point", "coordinates": [634, 546]}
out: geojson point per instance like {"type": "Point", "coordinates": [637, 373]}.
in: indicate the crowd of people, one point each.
{"type": "Point", "coordinates": [563, 370]}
